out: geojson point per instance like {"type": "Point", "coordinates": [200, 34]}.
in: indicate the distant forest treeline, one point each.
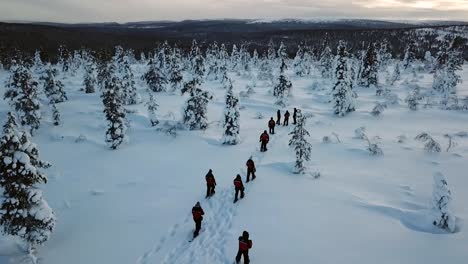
{"type": "Point", "coordinates": [27, 38]}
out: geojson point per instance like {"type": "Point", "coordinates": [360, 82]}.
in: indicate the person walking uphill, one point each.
{"type": "Point", "coordinates": [197, 213]}
{"type": "Point", "coordinates": [271, 126]}
{"type": "Point", "coordinates": [294, 116]}
{"type": "Point", "coordinates": [239, 187]}
{"type": "Point", "coordinates": [210, 184]}
{"type": "Point", "coordinates": [286, 118]}
{"type": "Point", "coordinates": [278, 117]}
{"type": "Point", "coordinates": [264, 138]}
{"type": "Point", "coordinates": [244, 245]}
{"type": "Point", "coordinates": [250, 169]}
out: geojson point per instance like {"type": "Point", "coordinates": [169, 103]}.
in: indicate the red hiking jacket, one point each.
{"type": "Point", "coordinates": [197, 213]}
{"type": "Point", "coordinates": [271, 124]}
{"type": "Point", "coordinates": [244, 245]}
{"type": "Point", "coordinates": [264, 137]}
{"type": "Point", "coordinates": [238, 183]}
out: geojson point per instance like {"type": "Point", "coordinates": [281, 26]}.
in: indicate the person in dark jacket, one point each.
{"type": "Point", "coordinates": [210, 184]}
{"type": "Point", "coordinates": [264, 138]}
{"type": "Point", "coordinates": [295, 116]}
{"type": "Point", "coordinates": [239, 187]}
{"type": "Point", "coordinates": [286, 118]}
{"type": "Point", "coordinates": [244, 245]}
{"type": "Point", "coordinates": [271, 126]}
{"type": "Point", "coordinates": [197, 213]}
{"type": "Point", "coordinates": [250, 169]}
{"type": "Point", "coordinates": [278, 117]}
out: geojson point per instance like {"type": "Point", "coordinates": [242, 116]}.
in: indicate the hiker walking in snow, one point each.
{"type": "Point", "coordinates": [244, 245]}
{"type": "Point", "coordinates": [294, 116]}
{"type": "Point", "coordinates": [271, 126]}
{"type": "Point", "coordinates": [250, 169]}
{"type": "Point", "coordinates": [239, 187]}
{"type": "Point", "coordinates": [210, 184]}
{"type": "Point", "coordinates": [264, 138]}
{"type": "Point", "coordinates": [278, 117]}
{"type": "Point", "coordinates": [197, 213]}
{"type": "Point", "coordinates": [286, 118]}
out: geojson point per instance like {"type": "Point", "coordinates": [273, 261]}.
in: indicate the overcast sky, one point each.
{"type": "Point", "coordinates": [142, 10]}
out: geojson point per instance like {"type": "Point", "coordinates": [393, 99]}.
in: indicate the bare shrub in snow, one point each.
{"type": "Point", "coordinates": [431, 145]}
{"type": "Point", "coordinates": [378, 108]}
{"type": "Point", "coordinates": [259, 115]}
{"type": "Point", "coordinates": [441, 198]}
{"type": "Point", "coordinates": [81, 138]}
{"type": "Point", "coordinates": [360, 133]}
{"type": "Point", "coordinates": [401, 139]}
{"type": "Point", "coordinates": [170, 128]}
{"type": "Point", "coordinates": [326, 140]}
{"type": "Point", "coordinates": [451, 142]}
{"type": "Point", "coordinates": [373, 147]}
{"type": "Point", "coordinates": [391, 99]}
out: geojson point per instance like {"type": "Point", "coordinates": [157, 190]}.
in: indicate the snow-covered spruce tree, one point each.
{"type": "Point", "coordinates": [282, 53]}
{"type": "Point", "coordinates": [265, 70]}
{"type": "Point", "coordinates": [326, 63]}
{"type": "Point", "coordinates": [441, 199]}
{"type": "Point", "coordinates": [431, 145]}
{"type": "Point", "coordinates": [24, 212]}
{"type": "Point", "coordinates": [299, 61]}
{"type": "Point", "coordinates": [199, 67]}
{"type": "Point", "coordinates": [155, 78]}
{"type": "Point", "coordinates": [38, 67]}
{"type": "Point", "coordinates": [175, 70]}
{"type": "Point", "coordinates": [90, 81]}
{"type": "Point", "coordinates": [195, 109]}
{"type": "Point", "coordinates": [152, 107]}
{"type": "Point", "coordinates": [410, 58]}
{"type": "Point", "coordinates": [53, 88]}
{"type": "Point", "coordinates": [413, 98]}
{"type": "Point", "coordinates": [64, 58]}
{"type": "Point", "coordinates": [378, 108]}
{"type": "Point", "coordinates": [129, 90]}
{"type": "Point", "coordinates": [300, 144]}
{"type": "Point", "coordinates": [396, 74]}
{"type": "Point", "coordinates": [282, 90]}
{"type": "Point", "coordinates": [22, 95]}
{"type": "Point", "coordinates": [343, 96]}
{"type": "Point", "coordinates": [56, 115]}
{"type": "Point", "coordinates": [370, 66]}
{"type": "Point", "coordinates": [231, 125]}
{"type": "Point", "coordinates": [429, 61]}
{"type": "Point", "coordinates": [113, 109]}
{"type": "Point", "coordinates": [271, 53]}
{"type": "Point", "coordinates": [449, 61]}
{"type": "Point", "coordinates": [384, 55]}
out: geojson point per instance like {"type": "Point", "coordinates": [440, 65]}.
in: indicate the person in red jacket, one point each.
{"type": "Point", "coordinates": [250, 169]}
{"type": "Point", "coordinates": [286, 118]}
{"type": "Point", "coordinates": [197, 213]}
{"type": "Point", "coordinates": [210, 184]}
{"type": "Point", "coordinates": [271, 126]}
{"type": "Point", "coordinates": [244, 245]}
{"type": "Point", "coordinates": [264, 138]}
{"type": "Point", "coordinates": [239, 187]}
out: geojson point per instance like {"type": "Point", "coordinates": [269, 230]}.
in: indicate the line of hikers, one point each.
{"type": "Point", "coordinates": [197, 211]}
{"type": "Point", "coordinates": [265, 138]}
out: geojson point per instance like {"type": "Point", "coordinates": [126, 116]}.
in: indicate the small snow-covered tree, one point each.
{"type": "Point", "coordinates": [22, 95]}
{"type": "Point", "coordinates": [56, 115]}
{"type": "Point", "coordinates": [431, 145]}
{"type": "Point", "coordinates": [53, 88]}
{"type": "Point", "coordinates": [299, 61]}
{"type": "Point", "coordinates": [199, 67]}
{"type": "Point", "coordinates": [282, 53]}
{"type": "Point", "coordinates": [282, 90]}
{"type": "Point", "coordinates": [326, 63]}
{"type": "Point", "coordinates": [24, 211]}
{"type": "Point", "coordinates": [300, 144]}
{"type": "Point", "coordinates": [396, 74]}
{"type": "Point", "coordinates": [155, 78]}
{"type": "Point", "coordinates": [410, 57]}
{"type": "Point", "coordinates": [152, 108]}
{"type": "Point", "coordinates": [441, 199]}
{"type": "Point", "coordinates": [369, 74]}
{"type": "Point", "coordinates": [129, 91]}
{"type": "Point", "coordinates": [113, 109]}
{"type": "Point", "coordinates": [429, 61]}
{"type": "Point", "coordinates": [38, 67]}
{"type": "Point", "coordinates": [195, 109]}
{"type": "Point", "coordinates": [90, 81]}
{"type": "Point", "coordinates": [343, 96]}
{"type": "Point", "coordinates": [413, 98]}
{"type": "Point", "coordinates": [231, 124]}
{"type": "Point", "coordinates": [175, 71]}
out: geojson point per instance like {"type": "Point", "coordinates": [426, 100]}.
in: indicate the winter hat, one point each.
{"type": "Point", "coordinates": [197, 204]}
{"type": "Point", "coordinates": [245, 234]}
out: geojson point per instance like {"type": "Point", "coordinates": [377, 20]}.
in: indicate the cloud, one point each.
{"type": "Point", "coordinates": [138, 10]}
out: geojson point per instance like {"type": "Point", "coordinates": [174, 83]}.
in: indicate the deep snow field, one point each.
{"type": "Point", "coordinates": [133, 205]}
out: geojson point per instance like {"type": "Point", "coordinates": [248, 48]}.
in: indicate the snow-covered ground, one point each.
{"type": "Point", "coordinates": [133, 205]}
